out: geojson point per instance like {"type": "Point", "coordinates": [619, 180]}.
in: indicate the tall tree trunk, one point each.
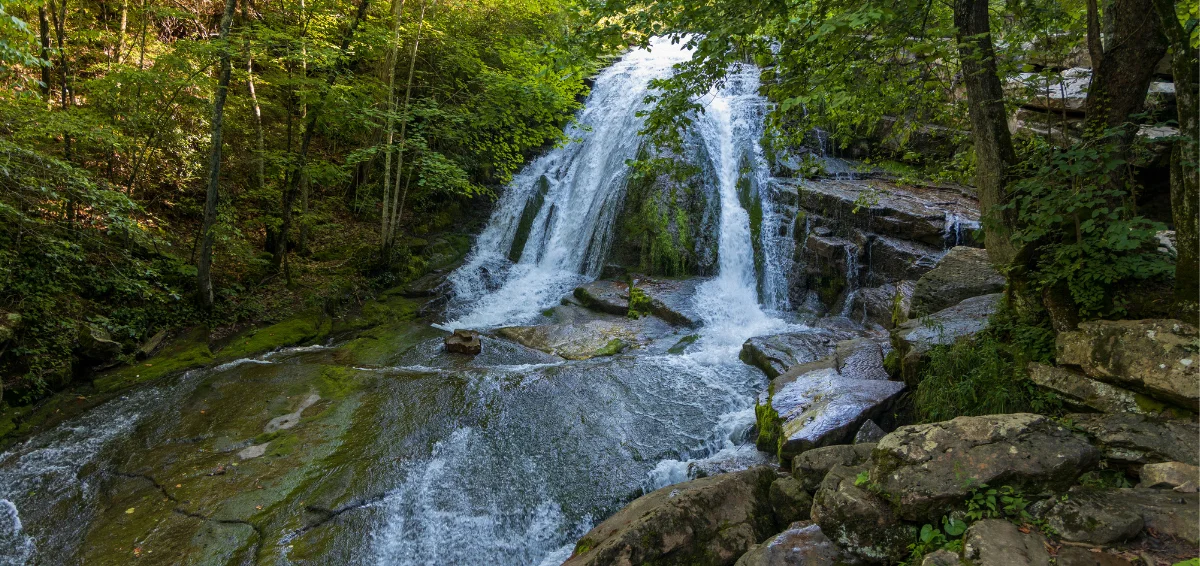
{"type": "Point", "coordinates": [994, 151]}
{"type": "Point", "coordinates": [398, 194]}
{"type": "Point", "coordinates": [204, 264]}
{"type": "Point", "coordinates": [44, 39]}
{"type": "Point", "coordinates": [66, 96]}
{"type": "Point", "coordinates": [1094, 45]}
{"type": "Point", "coordinates": [291, 189]}
{"type": "Point", "coordinates": [260, 177]}
{"type": "Point", "coordinates": [1120, 81]}
{"type": "Point", "coordinates": [393, 59]}
{"type": "Point", "coordinates": [1185, 171]}
{"type": "Point", "coordinates": [121, 35]}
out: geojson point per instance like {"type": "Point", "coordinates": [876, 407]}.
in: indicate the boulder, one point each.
{"type": "Point", "coordinates": [95, 345]}
{"type": "Point", "coordinates": [1086, 393]}
{"type": "Point", "coordinates": [708, 521]}
{"type": "Point", "coordinates": [1106, 516]}
{"type": "Point", "coordinates": [996, 542]}
{"type": "Point", "coordinates": [915, 338]}
{"type": "Point", "coordinates": [802, 544]}
{"type": "Point", "coordinates": [928, 470]}
{"type": "Point", "coordinates": [1169, 475]}
{"type": "Point", "coordinates": [869, 433]}
{"type": "Point", "coordinates": [822, 407]}
{"type": "Point", "coordinates": [463, 342]}
{"type": "Point", "coordinates": [859, 521]}
{"type": "Point", "coordinates": [961, 274]}
{"type": "Point", "coordinates": [610, 297]}
{"type": "Point", "coordinates": [774, 354]}
{"type": "Point", "coordinates": [584, 339]}
{"type": "Point", "coordinates": [902, 212]}
{"type": "Point", "coordinates": [1136, 439]}
{"type": "Point", "coordinates": [860, 358]}
{"type": "Point", "coordinates": [789, 501]}
{"type": "Point", "coordinates": [810, 467]}
{"type": "Point", "coordinates": [1080, 556]}
{"type": "Point", "coordinates": [941, 557]}
{"type": "Point", "coordinates": [884, 305]}
{"type": "Point", "coordinates": [671, 299]}
{"type": "Point", "coordinates": [893, 259]}
{"type": "Point", "coordinates": [1157, 357]}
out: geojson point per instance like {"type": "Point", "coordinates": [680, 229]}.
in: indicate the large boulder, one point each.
{"type": "Point", "coordinates": [802, 544]}
{"type": "Point", "coordinates": [811, 466]}
{"type": "Point", "coordinates": [1158, 357]}
{"type": "Point", "coordinates": [789, 500]}
{"type": "Point", "coordinates": [1097, 516]}
{"type": "Point", "coordinates": [961, 274]}
{"type": "Point", "coordinates": [776, 353]}
{"type": "Point", "coordinates": [821, 407]}
{"type": "Point", "coordinates": [1170, 475]}
{"type": "Point", "coordinates": [859, 521]}
{"type": "Point", "coordinates": [927, 470]}
{"type": "Point", "coordinates": [915, 338]}
{"type": "Point", "coordinates": [886, 305]}
{"type": "Point", "coordinates": [1136, 439]}
{"type": "Point", "coordinates": [707, 521]}
{"type": "Point", "coordinates": [584, 339]}
{"type": "Point", "coordinates": [610, 297]}
{"type": "Point", "coordinates": [1085, 393]}
{"type": "Point", "coordinates": [996, 542]}
{"type": "Point", "coordinates": [96, 346]}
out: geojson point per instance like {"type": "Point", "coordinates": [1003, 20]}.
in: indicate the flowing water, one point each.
{"type": "Point", "coordinates": [507, 458]}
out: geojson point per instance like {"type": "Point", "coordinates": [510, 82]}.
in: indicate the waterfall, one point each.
{"type": "Point", "coordinates": [559, 210]}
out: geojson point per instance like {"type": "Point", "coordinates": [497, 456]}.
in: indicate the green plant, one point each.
{"type": "Point", "coordinates": [1005, 502]}
{"type": "Point", "coordinates": [931, 538]}
{"type": "Point", "coordinates": [639, 303]}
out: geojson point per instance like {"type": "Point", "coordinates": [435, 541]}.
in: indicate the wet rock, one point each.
{"type": "Point", "coordinates": [869, 433]}
{"type": "Point", "coordinates": [915, 338]}
{"type": "Point", "coordinates": [860, 358]}
{"type": "Point", "coordinates": [582, 339]}
{"type": "Point", "coordinates": [823, 407]}
{"type": "Point", "coordinates": [1097, 516]}
{"type": "Point", "coordinates": [1158, 357]}
{"type": "Point", "coordinates": [802, 544]}
{"type": "Point", "coordinates": [1067, 91]}
{"type": "Point", "coordinates": [671, 299]}
{"type": "Point", "coordinates": [811, 466]}
{"type": "Point", "coordinates": [996, 542]}
{"type": "Point", "coordinates": [1136, 439]}
{"type": "Point", "coordinates": [906, 213]}
{"type": "Point", "coordinates": [463, 342]}
{"type": "Point", "coordinates": [291, 419]}
{"type": "Point", "coordinates": [927, 470]}
{"type": "Point", "coordinates": [1169, 475]}
{"type": "Point", "coordinates": [859, 521]}
{"type": "Point", "coordinates": [830, 270]}
{"type": "Point", "coordinates": [188, 350]}
{"type": "Point", "coordinates": [1084, 392]}
{"type": "Point", "coordinates": [707, 521]}
{"type": "Point", "coordinates": [610, 297]}
{"type": "Point", "coordinates": [776, 353]}
{"type": "Point", "coordinates": [95, 345]}
{"type": "Point", "coordinates": [961, 274]}
{"type": "Point", "coordinates": [789, 500]}
{"type": "Point", "coordinates": [893, 260]}
{"type": "Point", "coordinates": [885, 305]}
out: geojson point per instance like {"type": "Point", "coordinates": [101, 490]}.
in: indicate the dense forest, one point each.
{"type": "Point", "coordinates": [168, 164]}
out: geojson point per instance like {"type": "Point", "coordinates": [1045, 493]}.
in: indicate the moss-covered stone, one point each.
{"type": "Point", "coordinates": [639, 303]}
{"type": "Point", "coordinates": [189, 351]}
{"type": "Point", "coordinates": [297, 330]}
{"type": "Point", "coordinates": [770, 428]}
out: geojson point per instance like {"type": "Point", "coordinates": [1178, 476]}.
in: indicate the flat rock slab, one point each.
{"type": "Point", "coordinates": [1158, 357]}
{"type": "Point", "coordinates": [776, 353]}
{"type": "Point", "coordinates": [671, 299]}
{"type": "Point", "coordinates": [1110, 516]}
{"type": "Point", "coordinates": [1170, 475]}
{"type": "Point", "coordinates": [1136, 439]}
{"type": "Point", "coordinates": [587, 339]}
{"type": "Point", "coordinates": [996, 542]}
{"type": "Point", "coordinates": [961, 274]}
{"type": "Point", "coordinates": [610, 297]}
{"type": "Point", "coordinates": [915, 338]}
{"type": "Point", "coordinates": [823, 407]}
{"type": "Point", "coordinates": [711, 520]}
{"type": "Point", "coordinates": [927, 470]}
{"type": "Point", "coordinates": [802, 544]}
{"type": "Point", "coordinates": [1085, 393]}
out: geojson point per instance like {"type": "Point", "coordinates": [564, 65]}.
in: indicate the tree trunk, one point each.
{"type": "Point", "coordinates": [994, 151]}
{"type": "Point", "coordinates": [260, 176]}
{"type": "Point", "coordinates": [1120, 81]}
{"type": "Point", "coordinates": [121, 36]}
{"type": "Point", "coordinates": [393, 59]}
{"type": "Point", "coordinates": [1094, 45]}
{"type": "Point", "coordinates": [1185, 172]}
{"type": "Point", "coordinates": [44, 38]}
{"type": "Point", "coordinates": [292, 186]}
{"type": "Point", "coordinates": [398, 197]}
{"type": "Point", "coordinates": [204, 265]}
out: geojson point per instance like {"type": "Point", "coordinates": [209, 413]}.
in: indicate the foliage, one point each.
{"type": "Point", "coordinates": [931, 538]}
{"type": "Point", "coordinates": [639, 303]}
{"type": "Point", "coordinates": [1077, 210]}
{"type": "Point", "coordinates": [986, 374]}
{"type": "Point", "coordinates": [1004, 502]}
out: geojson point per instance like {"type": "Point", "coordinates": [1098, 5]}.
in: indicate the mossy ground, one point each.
{"type": "Point", "coordinates": [297, 330]}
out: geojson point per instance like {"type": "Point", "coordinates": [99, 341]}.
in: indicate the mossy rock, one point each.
{"type": "Point", "coordinates": [300, 329]}
{"type": "Point", "coordinates": [380, 345]}
{"type": "Point", "coordinates": [189, 351]}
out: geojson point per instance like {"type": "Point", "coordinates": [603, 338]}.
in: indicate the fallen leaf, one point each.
{"type": "Point", "coordinates": [129, 511]}
{"type": "Point", "coordinates": [178, 485]}
{"type": "Point", "coordinates": [259, 507]}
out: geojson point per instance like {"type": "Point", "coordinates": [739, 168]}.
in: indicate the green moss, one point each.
{"type": "Point", "coordinates": [187, 352]}
{"type": "Point", "coordinates": [338, 381]}
{"type": "Point", "coordinates": [584, 545]}
{"type": "Point", "coordinates": [770, 428]}
{"type": "Point", "coordinates": [612, 348]}
{"type": "Point", "coordinates": [639, 303]}
{"type": "Point", "coordinates": [380, 345]}
{"type": "Point", "coordinates": [891, 363]}
{"type": "Point", "coordinates": [294, 331]}
{"type": "Point", "coordinates": [683, 343]}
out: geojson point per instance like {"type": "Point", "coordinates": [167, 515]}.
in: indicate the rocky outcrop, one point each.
{"type": "Point", "coordinates": [915, 338]}
{"type": "Point", "coordinates": [584, 338]}
{"type": "Point", "coordinates": [1171, 475]}
{"type": "Point", "coordinates": [1085, 393]}
{"type": "Point", "coordinates": [610, 297]}
{"type": "Point", "coordinates": [858, 520]}
{"type": "Point", "coordinates": [463, 342]}
{"type": "Point", "coordinates": [1136, 439]}
{"type": "Point", "coordinates": [885, 305]}
{"type": "Point", "coordinates": [1097, 516]}
{"type": "Point", "coordinates": [1160, 358]}
{"type": "Point", "coordinates": [775, 353]}
{"type": "Point", "coordinates": [825, 402]}
{"type": "Point", "coordinates": [811, 466]}
{"type": "Point", "coordinates": [926, 470]}
{"type": "Point", "coordinates": [961, 274]}
{"type": "Point", "coordinates": [95, 346]}
{"type": "Point", "coordinates": [802, 544]}
{"type": "Point", "coordinates": [996, 542]}
{"type": "Point", "coordinates": [707, 521]}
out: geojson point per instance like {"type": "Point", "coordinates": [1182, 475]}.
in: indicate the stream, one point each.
{"type": "Point", "coordinates": [430, 458]}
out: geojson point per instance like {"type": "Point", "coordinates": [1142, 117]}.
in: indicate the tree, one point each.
{"type": "Point", "coordinates": [204, 264]}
